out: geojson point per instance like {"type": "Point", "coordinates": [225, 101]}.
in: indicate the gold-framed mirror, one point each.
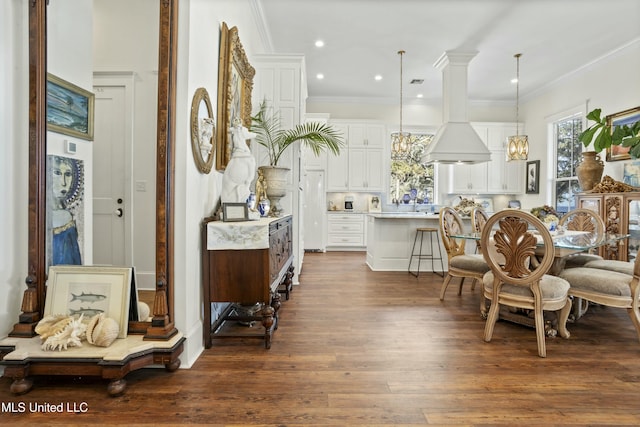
{"type": "Point", "coordinates": [203, 130]}
{"type": "Point", "coordinates": [161, 326]}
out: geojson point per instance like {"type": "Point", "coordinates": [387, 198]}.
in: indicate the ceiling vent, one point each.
{"type": "Point", "coordinates": [455, 141]}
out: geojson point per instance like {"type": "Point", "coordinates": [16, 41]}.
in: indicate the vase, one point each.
{"type": "Point", "coordinates": [276, 187]}
{"type": "Point", "coordinates": [590, 170]}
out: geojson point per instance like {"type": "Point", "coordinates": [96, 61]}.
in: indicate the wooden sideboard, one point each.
{"type": "Point", "coordinates": [244, 264]}
{"type": "Point", "coordinates": [621, 214]}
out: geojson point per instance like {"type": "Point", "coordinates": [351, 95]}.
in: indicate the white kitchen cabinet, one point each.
{"type": "Point", "coordinates": [366, 135]}
{"type": "Point", "coordinates": [338, 166]}
{"type": "Point", "coordinates": [496, 176]}
{"type": "Point", "coordinates": [360, 166]}
{"type": "Point", "coordinates": [469, 178]}
{"type": "Point", "coordinates": [345, 230]}
{"type": "Point", "coordinates": [365, 169]}
{"type": "Point", "coordinates": [503, 176]}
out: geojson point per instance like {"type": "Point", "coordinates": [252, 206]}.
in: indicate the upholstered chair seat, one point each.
{"type": "Point", "coordinates": [604, 282]}
{"type": "Point", "coordinates": [611, 265]}
{"type": "Point", "coordinates": [582, 259]}
{"type": "Point", "coordinates": [551, 287]}
{"type": "Point", "coordinates": [473, 262]}
{"type": "Point", "coordinates": [608, 287]}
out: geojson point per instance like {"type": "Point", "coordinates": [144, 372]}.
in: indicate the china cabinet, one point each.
{"type": "Point", "coordinates": [621, 214]}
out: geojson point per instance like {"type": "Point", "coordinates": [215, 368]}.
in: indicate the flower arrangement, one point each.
{"type": "Point", "coordinates": [542, 212]}
{"type": "Point", "coordinates": [550, 218]}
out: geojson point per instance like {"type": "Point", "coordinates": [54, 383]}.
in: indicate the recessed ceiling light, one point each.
{"type": "Point", "coordinates": [419, 95]}
{"type": "Point", "coordinates": [319, 43]}
{"type": "Point", "coordinates": [319, 76]}
{"type": "Point", "coordinates": [378, 77]}
{"type": "Point", "coordinates": [514, 80]}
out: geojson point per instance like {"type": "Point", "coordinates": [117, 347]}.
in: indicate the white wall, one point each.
{"type": "Point", "coordinates": [125, 40]}
{"type": "Point", "coordinates": [14, 158]}
{"type": "Point", "coordinates": [71, 58]}
{"type": "Point", "coordinates": [195, 193]}
{"type": "Point", "coordinates": [611, 84]}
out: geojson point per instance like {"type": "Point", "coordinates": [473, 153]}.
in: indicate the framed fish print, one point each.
{"type": "Point", "coordinates": [90, 290]}
{"type": "Point", "coordinates": [235, 84]}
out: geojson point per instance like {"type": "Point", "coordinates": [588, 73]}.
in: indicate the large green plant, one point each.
{"type": "Point", "coordinates": [602, 137]}
{"type": "Point", "coordinates": [317, 136]}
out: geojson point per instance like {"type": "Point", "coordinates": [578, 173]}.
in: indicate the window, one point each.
{"type": "Point", "coordinates": [412, 181]}
{"type": "Point", "coordinates": [568, 151]}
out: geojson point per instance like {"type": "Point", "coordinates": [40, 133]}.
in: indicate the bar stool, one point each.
{"type": "Point", "coordinates": [428, 256]}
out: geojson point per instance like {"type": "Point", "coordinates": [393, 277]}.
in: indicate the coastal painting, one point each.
{"type": "Point", "coordinates": [70, 109]}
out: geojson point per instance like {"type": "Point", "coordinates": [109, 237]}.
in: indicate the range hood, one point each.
{"type": "Point", "coordinates": [455, 141]}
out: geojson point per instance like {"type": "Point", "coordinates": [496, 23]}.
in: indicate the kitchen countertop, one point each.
{"type": "Point", "coordinates": [404, 215]}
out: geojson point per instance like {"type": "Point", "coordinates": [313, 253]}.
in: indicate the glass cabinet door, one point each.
{"type": "Point", "coordinates": [633, 220]}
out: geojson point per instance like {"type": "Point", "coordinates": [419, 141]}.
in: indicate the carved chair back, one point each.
{"type": "Point", "coordinates": [478, 220]}
{"type": "Point", "coordinates": [450, 225]}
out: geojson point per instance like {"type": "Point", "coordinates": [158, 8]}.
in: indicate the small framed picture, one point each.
{"type": "Point", "coordinates": [89, 290]}
{"type": "Point", "coordinates": [533, 177]}
{"type": "Point", "coordinates": [235, 212]}
{"type": "Point", "coordinates": [374, 204]}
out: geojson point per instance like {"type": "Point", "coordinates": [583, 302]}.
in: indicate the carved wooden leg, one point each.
{"type": "Point", "coordinates": [563, 315]}
{"type": "Point", "coordinates": [267, 322]}
{"type": "Point", "coordinates": [172, 366]}
{"type": "Point", "coordinates": [116, 387]}
{"type": "Point", "coordinates": [21, 386]}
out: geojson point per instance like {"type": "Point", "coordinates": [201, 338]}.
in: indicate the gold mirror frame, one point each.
{"type": "Point", "coordinates": [235, 84]}
{"type": "Point", "coordinates": [201, 97]}
{"type": "Point", "coordinates": [32, 308]}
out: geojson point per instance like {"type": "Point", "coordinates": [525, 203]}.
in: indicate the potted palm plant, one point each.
{"type": "Point", "coordinates": [600, 133]}
{"type": "Point", "coordinates": [269, 134]}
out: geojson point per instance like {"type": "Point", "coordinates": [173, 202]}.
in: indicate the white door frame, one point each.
{"type": "Point", "coordinates": [124, 79]}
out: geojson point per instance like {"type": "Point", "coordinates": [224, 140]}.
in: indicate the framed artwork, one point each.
{"type": "Point", "coordinates": [631, 173]}
{"type": "Point", "coordinates": [533, 177]}
{"type": "Point", "coordinates": [374, 204]}
{"type": "Point", "coordinates": [202, 130]}
{"type": "Point", "coordinates": [626, 117]}
{"type": "Point", "coordinates": [235, 212]}
{"type": "Point", "coordinates": [70, 109]}
{"type": "Point", "coordinates": [235, 83]}
{"type": "Point", "coordinates": [90, 290]}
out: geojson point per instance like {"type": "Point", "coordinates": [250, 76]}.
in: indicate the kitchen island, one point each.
{"type": "Point", "coordinates": [390, 237]}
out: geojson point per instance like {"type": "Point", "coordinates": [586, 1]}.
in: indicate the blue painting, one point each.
{"type": "Point", "coordinates": [70, 108]}
{"type": "Point", "coordinates": [65, 210]}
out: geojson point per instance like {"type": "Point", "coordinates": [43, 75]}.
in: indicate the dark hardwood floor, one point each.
{"type": "Point", "coordinates": [356, 347]}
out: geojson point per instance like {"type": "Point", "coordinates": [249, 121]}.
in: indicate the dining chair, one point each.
{"type": "Point", "coordinates": [582, 220]}
{"type": "Point", "coordinates": [461, 264]}
{"type": "Point", "coordinates": [479, 218]}
{"type": "Point", "coordinates": [608, 287]}
{"type": "Point", "coordinates": [511, 282]}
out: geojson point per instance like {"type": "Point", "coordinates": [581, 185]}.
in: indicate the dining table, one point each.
{"type": "Point", "coordinates": [565, 244]}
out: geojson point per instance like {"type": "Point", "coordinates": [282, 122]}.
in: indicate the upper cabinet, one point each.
{"type": "Point", "coordinates": [366, 135]}
{"type": "Point", "coordinates": [361, 163]}
{"type": "Point", "coordinates": [496, 176]}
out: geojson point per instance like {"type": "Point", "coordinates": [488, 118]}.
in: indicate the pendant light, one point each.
{"type": "Point", "coordinates": [517, 145]}
{"type": "Point", "coordinates": [400, 142]}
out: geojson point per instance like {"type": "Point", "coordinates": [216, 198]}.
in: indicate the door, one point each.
{"type": "Point", "coordinates": [315, 211]}
{"type": "Point", "coordinates": [110, 156]}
